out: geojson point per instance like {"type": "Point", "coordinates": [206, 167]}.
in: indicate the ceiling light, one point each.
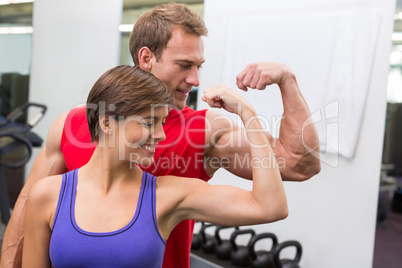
{"type": "Point", "coordinates": [16, 30]}
{"type": "Point", "coordinates": [397, 36]}
{"type": "Point", "coordinates": [8, 2]}
{"type": "Point", "coordinates": [126, 28]}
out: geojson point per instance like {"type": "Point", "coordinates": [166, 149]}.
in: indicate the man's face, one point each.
{"type": "Point", "coordinates": [179, 64]}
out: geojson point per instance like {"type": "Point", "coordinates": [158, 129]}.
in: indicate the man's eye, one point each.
{"type": "Point", "coordinates": [185, 66]}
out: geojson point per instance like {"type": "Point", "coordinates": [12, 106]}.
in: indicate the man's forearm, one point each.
{"type": "Point", "coordinates": [297, 135]}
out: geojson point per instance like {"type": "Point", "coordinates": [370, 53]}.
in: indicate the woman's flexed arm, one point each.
{"type": "Point", "coordinates": [228, 205]}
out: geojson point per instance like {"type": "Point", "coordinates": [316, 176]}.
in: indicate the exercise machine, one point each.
{"type": "Point", "coordinates": [16, 143]}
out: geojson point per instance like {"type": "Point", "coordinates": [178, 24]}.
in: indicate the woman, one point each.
{"type": "Point", "coordinates": [80, 218]}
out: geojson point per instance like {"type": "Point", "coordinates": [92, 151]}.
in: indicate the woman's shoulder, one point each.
{"type": "Point", "coordinates": [178, 184]}
{"type": "Point", "coordinates": [46, 189]}
{"type": "Point", "coordinates": [43, 198]}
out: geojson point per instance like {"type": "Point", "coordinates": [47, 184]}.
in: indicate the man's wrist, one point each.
{"type": "Point", "coordinates": [288, 79]}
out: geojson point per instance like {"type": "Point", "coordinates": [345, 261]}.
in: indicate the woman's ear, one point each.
{"type": "Point", "coordinates": [145, 56]}
{"type": "Point", "coordinates": [106, 125]}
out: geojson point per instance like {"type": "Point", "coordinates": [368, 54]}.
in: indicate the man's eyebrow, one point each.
{"type": "Point", "coordinates": [189, 61]}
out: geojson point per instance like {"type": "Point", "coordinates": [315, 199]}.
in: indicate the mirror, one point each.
{"type": "Point", "coordinates": [15, 54]}
{"type": "Point", "coordinates": [15, 60]}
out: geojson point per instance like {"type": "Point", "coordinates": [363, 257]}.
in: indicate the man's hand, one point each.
{"type": "Point", "coordinates": [294, 137]}
{"type": "Point", "coordinates": [260, 75]}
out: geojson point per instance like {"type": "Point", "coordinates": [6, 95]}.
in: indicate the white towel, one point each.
{"type": "Point", "coordinates": [331, 54]}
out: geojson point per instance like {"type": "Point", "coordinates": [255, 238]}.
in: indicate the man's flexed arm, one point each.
{"type": "Point", "coordinates": [50, 161]}
{"type": "Point", "coordinates": [295, 161]}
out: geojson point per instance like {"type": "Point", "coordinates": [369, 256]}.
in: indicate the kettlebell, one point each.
{"type": "Point", "coordinates": [197, 239]}
{"type": "Point", "coordinates": [224, 248]}
{"type": "Point", "coordinates": [240, 254]}
{"type": "Point", "coordinates": [287, 263]}
{"type": "Point", "coordinates": [262, 258]}
{"type": "Point", "coordinates": [208, 241]}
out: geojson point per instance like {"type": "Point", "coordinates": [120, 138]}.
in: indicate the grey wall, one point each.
{"type": "Point", "coordinates": [333, 214]}
{"type": "Point", "coordinates": [74, 42]}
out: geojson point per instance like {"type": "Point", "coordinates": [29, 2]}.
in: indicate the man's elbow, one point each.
{"type": "Point", "coordinates": [311, 170]}
{"type": "Point", "coordinates": [301, 169]}
{"type": "Point", "coordinates": [312, 162]}
{"type": "Point", "coordinates": [316, 167]}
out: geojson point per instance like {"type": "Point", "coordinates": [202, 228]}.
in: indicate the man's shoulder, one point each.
{"type": "Point", "coordinates": [75, 129]}
{"type": "Point", "coordinates": [190, 111]}
{"type": "Point", "coordinates": [77, 113]}
{"type": "Point", "coordinates": [187, 114]}
{"type": "Point", "coordinates": [76, 119]}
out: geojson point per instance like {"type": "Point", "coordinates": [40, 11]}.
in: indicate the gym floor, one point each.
{"type": "Point", "coordinates": [388, 238]}
{"type": "Point", "coordinates": [2, 229]}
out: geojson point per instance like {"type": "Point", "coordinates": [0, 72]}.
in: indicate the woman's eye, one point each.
{"type": "Point", "coordinates": [148, 124]}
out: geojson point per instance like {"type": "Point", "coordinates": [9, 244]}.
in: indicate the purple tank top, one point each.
{"type": "Point", "coordinates": [138, 244]}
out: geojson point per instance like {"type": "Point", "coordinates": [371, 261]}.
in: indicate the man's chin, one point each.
{"type": "Point", "coordinates": [180, 104]}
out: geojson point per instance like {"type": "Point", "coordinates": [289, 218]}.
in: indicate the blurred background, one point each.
{"type": "Point", "coordinates": [16, 88]}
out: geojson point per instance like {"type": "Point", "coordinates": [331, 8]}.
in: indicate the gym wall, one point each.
{"type": "Point", "coordinates": [73, 44]}
{"type": "Point", "coordinates": [333, 214]}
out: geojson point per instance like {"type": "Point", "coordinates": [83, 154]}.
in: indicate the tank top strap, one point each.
{"type": "Point", "coordinates": [150, 201]}
{"type": "Point", "coordinates": [66, 192]}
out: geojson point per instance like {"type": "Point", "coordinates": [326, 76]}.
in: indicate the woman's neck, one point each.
{"type": "Point", "coordinates": [106, 170]}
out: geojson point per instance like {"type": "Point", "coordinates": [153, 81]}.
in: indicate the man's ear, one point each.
{"type": "Point", "coordinates": [145, 56]}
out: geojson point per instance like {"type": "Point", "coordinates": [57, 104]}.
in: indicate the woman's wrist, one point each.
{"type": "Point", "coordinates": [247, 112]}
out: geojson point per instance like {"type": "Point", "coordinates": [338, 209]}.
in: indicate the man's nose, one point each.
{"type": "Point", "coordinates": [192, 77]}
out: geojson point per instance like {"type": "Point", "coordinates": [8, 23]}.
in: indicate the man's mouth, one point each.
{"type": "Point", "coordinates": [186, 92]}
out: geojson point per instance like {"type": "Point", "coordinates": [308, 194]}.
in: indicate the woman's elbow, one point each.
{"type": "Point", "coordinates": [283, 214]}
{"type": "Point", "coordinates": [282, 211]}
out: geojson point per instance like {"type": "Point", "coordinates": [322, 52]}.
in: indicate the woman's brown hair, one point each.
{"type": "Point", "coordinates": [121, 92]}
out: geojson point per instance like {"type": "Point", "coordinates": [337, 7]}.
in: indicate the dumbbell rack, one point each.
{"type": "Point", "coordinates": [209, 251]}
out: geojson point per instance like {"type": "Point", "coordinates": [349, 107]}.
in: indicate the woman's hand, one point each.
{"type": "Point", "coordinates": [221, 96]}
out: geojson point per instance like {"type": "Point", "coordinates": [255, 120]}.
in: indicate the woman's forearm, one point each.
{"type": "Point", "coordinates": [268, 190]}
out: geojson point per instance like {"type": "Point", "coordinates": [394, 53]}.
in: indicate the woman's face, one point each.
{"type": "Point", "coordinates": [138, 135]}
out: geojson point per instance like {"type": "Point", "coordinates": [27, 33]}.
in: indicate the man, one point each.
{"type": "Point", "coordinates": [166, 41]}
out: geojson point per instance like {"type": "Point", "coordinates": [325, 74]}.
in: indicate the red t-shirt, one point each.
{"type": "Point", "coordinates": [180, 154]}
